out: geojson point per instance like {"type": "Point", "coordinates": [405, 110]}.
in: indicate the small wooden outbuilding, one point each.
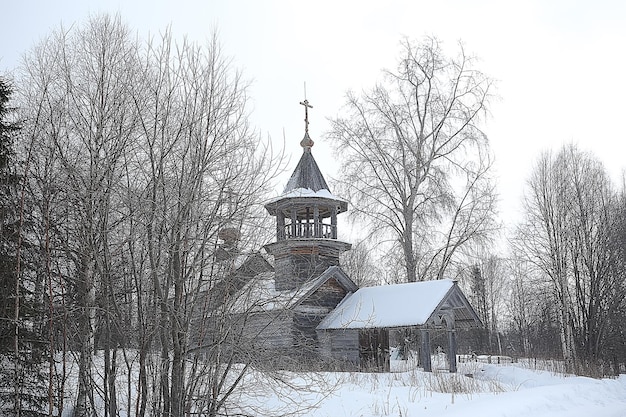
{"type": "Point", "coordinates": [357, 330]}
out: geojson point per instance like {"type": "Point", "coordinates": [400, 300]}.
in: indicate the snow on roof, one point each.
{"type": "Point", "coordinates": [396, 305]}
{"type": "Point", "coordinates": [306, 192]}
{"type": "Point", "coordinates": [260, 294]}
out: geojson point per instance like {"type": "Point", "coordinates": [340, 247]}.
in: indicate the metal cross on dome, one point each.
{"type": "Point", "coordinates": [307, 106]}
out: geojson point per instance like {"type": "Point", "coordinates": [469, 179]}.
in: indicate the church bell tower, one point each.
{"type": "Point", "coordinates": [306, 222]}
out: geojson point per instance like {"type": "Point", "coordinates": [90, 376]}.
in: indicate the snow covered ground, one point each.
{"type": "Point", "coordinates": [494, 390]}
{"type": "Point", "coordinates": [478, 389]}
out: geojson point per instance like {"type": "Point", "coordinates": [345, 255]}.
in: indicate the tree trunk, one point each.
{"type": "Point", "coordinates": [87, 298]}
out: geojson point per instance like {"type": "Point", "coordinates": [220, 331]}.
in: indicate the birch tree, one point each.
{"type": "Point", "coordinates": [567, 233]}
{"type": "Point", "coordinates": [201, 169]}
{"type": "Point", "coordinates": [526, 305]}
{"type": "Point", "coordinates": [546, 239]}
{"type": "Point", "coordinates": [93, 70]}
{"type": "Point", "coordinates": [415, 163]}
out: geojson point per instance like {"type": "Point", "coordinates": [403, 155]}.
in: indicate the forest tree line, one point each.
{"type": "Point", "coordinates": [122, 160]}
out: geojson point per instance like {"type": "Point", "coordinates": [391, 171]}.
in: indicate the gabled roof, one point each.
{"type": "Point", "coordinates": [331, 272]}
{"type": "Point", "coordinates": [401, 305]}
{"type": "Point", "coordinates": [259, 294]}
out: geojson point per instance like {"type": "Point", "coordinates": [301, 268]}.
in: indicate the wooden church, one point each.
{"type": "Point", "coordinates": [301, 310]}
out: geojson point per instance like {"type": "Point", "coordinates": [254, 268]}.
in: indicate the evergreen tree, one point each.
{"type": "Point", "coordinates": [21, 346]}
{"type": "Point", "coordinates": [9, 226]}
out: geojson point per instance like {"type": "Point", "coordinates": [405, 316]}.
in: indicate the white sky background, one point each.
{"type": "Point", "coordinates": [560, 65]}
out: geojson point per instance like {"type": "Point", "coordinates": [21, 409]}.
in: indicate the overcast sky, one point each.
{"type": "Point", "coordinates": [560, 65]}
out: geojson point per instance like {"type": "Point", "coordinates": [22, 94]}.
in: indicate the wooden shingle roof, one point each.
{"type": "Point", "coordinates": [307, 175]}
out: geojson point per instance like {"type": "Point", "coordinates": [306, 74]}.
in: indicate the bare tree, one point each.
{"type": "Point", "coordinates": [82, 77]}
{"type": "Point", "coordinates": [486, 276]}
{"type": "Point", "coordinates": [359, 263]}
{"type": "Point", "coordinates": [42, 176]}
{"type": "Point", "coordinates": [614, 338]}
{"type": "Point", "coordinates": [570, 222]}
{"type": "Point", "coordinates": [202, 170]}
{"type": "Point", "coordinates": [545, 234]}
{"type": "Point", "coordinates": [415, 162]}
{"type": "Point", "coordinates": [524, 303]}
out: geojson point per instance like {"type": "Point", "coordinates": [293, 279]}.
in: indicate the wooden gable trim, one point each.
{"type": "Point", "coordinates": [456, 301]}
{"type": "Point", "coordinates": [340, 277]}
